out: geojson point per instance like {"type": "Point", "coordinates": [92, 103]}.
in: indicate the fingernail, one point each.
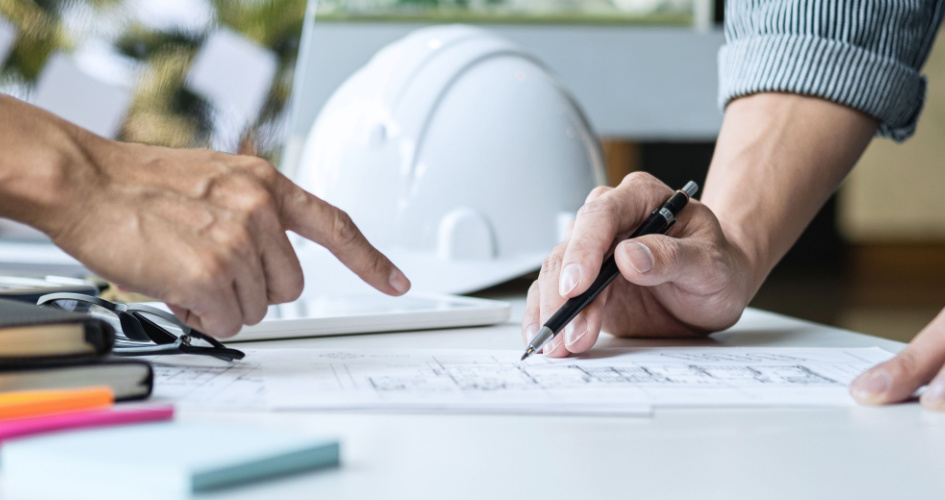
{"type": "Point", "coordinates": [570, 277]}
{"type": "Point", "coordinates": [934, 396]}
{"type": "Point", "coordinates": [575, 330]}
{"type": "Point", "coordinates": [530, 333]}
{"type": "Point", "coordinates": [640, 257]}
{"type": "Point", "coordinates": [399, 281]}
{"type": "Point", "coordinates": [872, 386]}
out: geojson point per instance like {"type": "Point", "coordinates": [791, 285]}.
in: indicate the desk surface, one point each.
{"type": "Point", "coordinates": [894, 452]}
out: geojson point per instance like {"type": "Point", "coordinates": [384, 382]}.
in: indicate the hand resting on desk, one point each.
{"type": "Point", "coordinates": [203, 231]}
{"type": "Point", "coordinates": [921, 362]}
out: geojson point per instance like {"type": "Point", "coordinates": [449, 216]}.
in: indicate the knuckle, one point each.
{"type": "Point", "coordinates": [261, 169]}
{"type": "Point", "coordinates": [638, 178]}
{"type": "Point", "coordinates": [598, 192]}
{"type": "Point", "coordinates": [257, 315]}
{"type": "Point", "coordinates": [596, 208]}
{"type": "Point", "coordinates": [242, 194]}
{"type": "Point", "coordinates": [551, 264]}
{"type": "Point", "coordinates": [907, 364]}
{"type": "Point", "coordinates": [379, 265]}
{"type": "Point", "coordinates": [256, 201]}
{"type": "Point", "coordinates": [236, 242]}
{"type": "Point", "coordinates": [343, 230]}
{"type": "Point", "coordinates": [227, 328]}
{"type": "Point", "coordinates": [288, 292]}
{"type": "Point", "coordinates": [210, 272]}
{"type": "Point", "coordinates": [665, 252]}
{"type": "Point", "coordinates": [210, 185]}
{"type": "Point", "coordinates": [580, 250]}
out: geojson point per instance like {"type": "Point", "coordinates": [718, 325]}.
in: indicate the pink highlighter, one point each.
{"type": "Point", "coordinates": [80, 420]}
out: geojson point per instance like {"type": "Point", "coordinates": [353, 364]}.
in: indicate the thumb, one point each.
{"type": "Point", "coordinates": [656, 259]}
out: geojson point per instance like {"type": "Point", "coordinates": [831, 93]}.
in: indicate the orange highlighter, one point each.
{"type": "Point", "coordinates": [24, 404]}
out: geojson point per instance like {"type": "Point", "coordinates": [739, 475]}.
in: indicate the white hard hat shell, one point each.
{"type": "Point", "coordinates": [457, 154]}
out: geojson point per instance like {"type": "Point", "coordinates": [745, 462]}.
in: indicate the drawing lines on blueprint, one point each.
{"type": "Point", "coordinates": [237, 385]}
{"type": "Point", "coordinates": [710, 375]}
{"type": "Point", "coordinates": [748, 357]}
{"type": "Point", "coordinates": [494, 380]}
{"type": "Point", "coordinates": [481, 377]}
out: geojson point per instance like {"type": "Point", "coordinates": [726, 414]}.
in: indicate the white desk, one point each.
{"type": "Point", "coordinates": [896, 452]}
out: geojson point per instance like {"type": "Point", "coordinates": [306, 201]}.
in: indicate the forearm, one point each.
{"type": "Point", "coordinates": [778, 159]}
{"type": "Point", "coordinates": [44, 160]}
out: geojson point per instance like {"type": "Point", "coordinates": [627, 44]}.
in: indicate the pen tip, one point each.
{"type": "Point", "coordinates": [527, 353]}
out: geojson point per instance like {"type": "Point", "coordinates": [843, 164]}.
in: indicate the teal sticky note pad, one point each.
{"type": "Point", "coordinates": [159, 460]}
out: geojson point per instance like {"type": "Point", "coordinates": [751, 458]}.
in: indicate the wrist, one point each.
{"type": "Point", "coordinates": [777, 160]}
{"type": "Point", "coordinates": [45, 168]}
{"type": "Point", "coordinates": [757, 260]}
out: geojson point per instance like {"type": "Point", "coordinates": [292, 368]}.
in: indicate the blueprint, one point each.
{"type": "Point", "coordinates": [191, 382]}
{"type": "Point", "coordinates": [610, 381]}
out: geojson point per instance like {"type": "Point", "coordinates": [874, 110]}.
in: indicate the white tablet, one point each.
{"type": "Point", "coordinates": [372, 312]}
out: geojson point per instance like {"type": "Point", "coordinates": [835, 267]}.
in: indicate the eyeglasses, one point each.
{"type": "Point", "coordinates": [142, 330]}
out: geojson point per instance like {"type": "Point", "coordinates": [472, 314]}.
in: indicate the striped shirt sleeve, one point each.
{"type": "Point", "coordinates": [866, 54]}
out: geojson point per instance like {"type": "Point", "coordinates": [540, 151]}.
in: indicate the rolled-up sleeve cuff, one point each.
{"type": "Point", "coordinates": [879, 86]}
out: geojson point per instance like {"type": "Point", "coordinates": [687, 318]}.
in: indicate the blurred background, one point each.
{"type": "Point", "coordinates": [180, 73]}
{"type": "Point", "coordinates": [223, 74]}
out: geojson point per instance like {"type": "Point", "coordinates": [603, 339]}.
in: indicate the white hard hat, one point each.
{"type": "Point", "coordinates": [457, 154]}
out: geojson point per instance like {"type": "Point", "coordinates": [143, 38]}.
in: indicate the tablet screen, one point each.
{"type": "Point", "coordinates": [362, 304]}
{"type": "Point", "coordinates": [348, 313]}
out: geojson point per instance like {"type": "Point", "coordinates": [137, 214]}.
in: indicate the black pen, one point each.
{"type": "Point", "coordinates": [659, 221]}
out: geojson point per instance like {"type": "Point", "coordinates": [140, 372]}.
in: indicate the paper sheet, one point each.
{"type": "Point", "coordinates": [208, 384]}
{"type": "Point", "coordinates": [604, 381]}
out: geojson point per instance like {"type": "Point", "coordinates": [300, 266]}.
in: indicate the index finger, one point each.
{"type": "Point", "coordinates": [327, 225]}
{"type": "Point", "coordinates": [600, 222]}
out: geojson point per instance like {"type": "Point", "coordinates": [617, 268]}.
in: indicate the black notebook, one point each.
{"type": "Point", "coordinates": [127, 378]}
{"type": "Point", "coordinates": [29, 333]}
{"type": "Point", "coordinates": [45, 348]}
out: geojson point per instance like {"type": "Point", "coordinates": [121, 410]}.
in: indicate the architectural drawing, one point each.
{"type": "Point", "coordinates": [517, 376]}
{"type": "Point", "coordinates": [496, 380]}
{"type": "Point", "coordinates": [225, 386]}
{"type": "Point", "coordinates": [606, 381]}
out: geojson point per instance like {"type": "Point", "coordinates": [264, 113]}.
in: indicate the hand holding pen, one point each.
{"type": "Point", "coordinates": [685, 283]}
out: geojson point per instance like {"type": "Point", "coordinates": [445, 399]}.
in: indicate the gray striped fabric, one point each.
{"type": "Point", "coordinates": [865, 54]}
